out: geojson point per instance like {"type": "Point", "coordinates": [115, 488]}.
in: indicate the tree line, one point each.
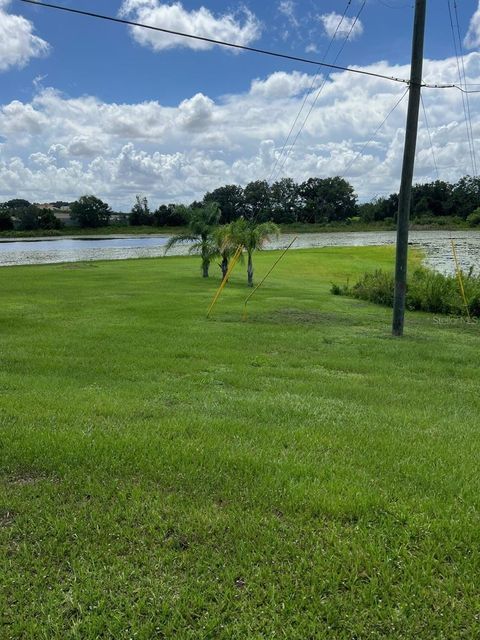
{"type": "Point", "coordinates": [325, 201]}
{"type": "Point", "coordinates": [432, 202]}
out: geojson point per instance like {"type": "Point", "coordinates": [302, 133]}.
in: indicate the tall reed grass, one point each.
{"type": "Point", "coordinates": [427, 290]}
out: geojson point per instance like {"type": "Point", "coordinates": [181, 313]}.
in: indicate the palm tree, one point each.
{"type": "Point", "coordinates": [202, 222]}
{"type": "Point", "coordinates": [252, 236]}
{"type": "Point", "coordinates": [225, 246]}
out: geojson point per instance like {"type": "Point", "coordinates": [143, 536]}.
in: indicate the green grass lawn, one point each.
{"type": "Point", "coordinates": [300, 475]}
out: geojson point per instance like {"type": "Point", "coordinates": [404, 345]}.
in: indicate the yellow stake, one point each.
{"type": "Point", "coordinates": [233, 262]}
{"type": "Point", "coordinates": [460, 279]}
{"type": "Point", "coordinates": [265, 277]}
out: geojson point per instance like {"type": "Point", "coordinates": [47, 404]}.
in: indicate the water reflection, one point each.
{"type": "Point", "coordinates": [435, 244]}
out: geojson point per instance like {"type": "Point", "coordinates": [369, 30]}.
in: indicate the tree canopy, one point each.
{"type": "Point", "coordinates": [90, 211]}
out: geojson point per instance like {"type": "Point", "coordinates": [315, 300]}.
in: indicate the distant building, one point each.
{"type": "Point", "coordinates": [45, 205]}
{"type": "Point", "coordinates": [61, 210]}
{"type": "Point", "coordinates": [64, 216]}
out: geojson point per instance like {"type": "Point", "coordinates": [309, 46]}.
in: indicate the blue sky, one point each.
{"type": "Point", "coordinates": [99, 58]}
{"type": "Point", "coordinates": [73, 101]}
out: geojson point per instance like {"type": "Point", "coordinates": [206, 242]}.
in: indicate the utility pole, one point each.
{"type": "Point", "coordinates": [407, 168]}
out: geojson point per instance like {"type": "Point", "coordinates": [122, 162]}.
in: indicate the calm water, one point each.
{"type": "Point", "coordinates": [435, 244]}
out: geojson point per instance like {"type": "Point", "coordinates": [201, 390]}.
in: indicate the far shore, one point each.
{"type": "Point", "coordinates": [115, 232]}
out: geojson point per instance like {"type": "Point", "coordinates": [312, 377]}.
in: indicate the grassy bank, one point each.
{"type": "Point", "coordinates": [97, 231]}
{"type": "Point", "coordinates": [286, 228]}
{"type": "Point", "coordinates": [300, 475]}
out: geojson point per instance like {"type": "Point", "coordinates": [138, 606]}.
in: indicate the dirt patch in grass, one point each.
{"type": "Point", "coordinates": [27, 478]}
{"type": "Point", "coordinates": [305, 317]}
{"type": "Point", "coordinates": [7, 518]}
{"type": "Point", "coordinates": [79, 265]}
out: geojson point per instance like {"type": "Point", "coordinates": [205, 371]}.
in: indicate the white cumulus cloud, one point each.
{"type": "Point", "coordinates": [58, 147]}
{"type": "Point", "coordinates": [281, 84]}
{"type": "Point", "coordinates": [472, 39]}
{"type": "Point", "coordinates": [241, 28]}
{"type": "Point", "coordinates": [331, 21]}
{"type": "Point", "coordinates": [18, 43]}
{"type": "Point", "coordinates": [287, 8]}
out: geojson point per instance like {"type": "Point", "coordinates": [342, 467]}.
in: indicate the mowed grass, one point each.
{"type": "Point", "coordinates": [300, 475]}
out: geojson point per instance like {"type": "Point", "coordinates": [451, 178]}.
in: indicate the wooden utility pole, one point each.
{"type": "Point", "coordinates": [407, 168]}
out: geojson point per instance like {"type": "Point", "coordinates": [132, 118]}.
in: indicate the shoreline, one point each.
{"type": "Point", "coordinates": [113, 236]}
{"type": "Point", "coordinates": [285, 230]}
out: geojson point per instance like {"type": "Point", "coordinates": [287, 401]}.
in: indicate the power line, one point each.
{"type": "Point", "coordinates": [430, 137]}
{"type": "Point", "coordinates": [309, 92]}
{"type": "Point", "coordinates": [469, 137]}
{"type": "Point", "coordinates": [322, 86]}
{"type": "Point", "coordinates": [374, 135]}
{"type": "Point", "coordinates": [275, 54]}
{"type": "Point", "coordinates": [467, 100]}
{"type": "Point", "coordinates": [400, 6]}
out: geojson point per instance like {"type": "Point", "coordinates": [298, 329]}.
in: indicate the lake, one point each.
{"type": "Point", "coordinates": [435, 244]}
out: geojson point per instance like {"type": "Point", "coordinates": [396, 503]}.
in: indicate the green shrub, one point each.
{"type": "Point", "coordinates": [427, 290]}
{"type": "Point", "coordinates": [337, 290]}
{"type": "Point", "coordinates": [431, 291]}
{"type": "Point", "coordinates": [375, 287]}
{"type": "Point", "coordinates": [474, 218]}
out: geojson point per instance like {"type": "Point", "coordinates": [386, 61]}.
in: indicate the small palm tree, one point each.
{"type": "Point", "coordinates": [252, 236]}
{"type": "Point", "coordinates": [225, 246]}
{"type": "Point", "coordinates": [201, 226]}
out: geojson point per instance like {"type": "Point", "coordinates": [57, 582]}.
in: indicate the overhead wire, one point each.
{"type": "Point", "coordinates": [377, 130]}
{"type": "Point", "coordinates": [309, 92]}
{"type": "Point", "coordinates": [267, 52]}
{"type": "Point", "coordinates": [465, 112]}
{"type": "Point", "coordinates": [322, 86]}
{"type": "Point", "coordinates": [430, 137]}
{"type": "Point", "coordinates": [400, 6]}
{"type": "Point", "coordinates": [470, 137]}
{"type": "Point", "coordinates": [462, 86]}
{"type": "Point", "coordinates": [467, 100]}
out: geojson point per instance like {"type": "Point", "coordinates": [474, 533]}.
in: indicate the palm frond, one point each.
{"type": "Point", "coordinates": [181, 237]}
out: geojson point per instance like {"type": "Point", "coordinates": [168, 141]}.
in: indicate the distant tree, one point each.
{"type": "Point", "coordinates": [465, 196]}
{"type": "Point", "coordinates": [366, 211]}
{"type": "Point", "coordinates": [200, 230]}
{"type": "Point", "coordinates": [32, 217]}
{"type": "Point", "coordinates": [48, 220]}
{"type": "Point", "coordinates": [385, 207]}
{"type": "Point", "coordinates": [231, 201]}
{"type": "Point", "coordinates": [421, 209]}
{"type": "Point", "coordinates": [180, 215]}
{"type": "Point", "coordinates": [160, 216]}
{"type": "Point", "coordinates": [6, 222]}
{"type": "Point", "coordinates": [327, 200]}
{"type": "Point", "coordinates": [171, 215]}
{"type": "Point", "coordinates": [284, 201]}
{"type": "Point", "coordinates": [16, 203]}
{"type": "Point", "coordinates": [431, 199]}
{"type": "Point", "coordinates": [58, 204]}
{"type": "Point", "coordinates": [89, 211]}
{"type": "Point", "coordinates": [252, 236]}
{"type": "Point", "coordinates": [28, 217]}
{"type": "Point", "coordinates": [140, 214]}
{"type": "Point", "coordinates": [257, 201]}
